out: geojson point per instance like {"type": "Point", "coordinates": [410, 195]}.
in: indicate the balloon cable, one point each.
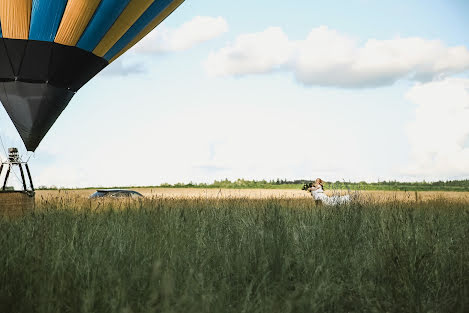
{"type": "Point", "coordinates": [3, 146]}
{"type": "Point", "coordinates": [6, 155]}
{"type": "Point", "coordinates": [29, 157]}
{"type": "Point", "coordinates": [17, 177]}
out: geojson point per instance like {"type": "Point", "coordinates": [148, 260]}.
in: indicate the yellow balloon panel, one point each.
{"type": "Point", "coordinates": [15, 16]}
{"type": "Point", "coordinates": [130, 15]}
{"type": "Point", "coordinates": [160, 18]}
{"type": "Point", "coordinates": [75, 19]}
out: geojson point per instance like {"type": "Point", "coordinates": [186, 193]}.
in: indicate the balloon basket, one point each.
{"type": "Point", "coordinates": [15, 204]}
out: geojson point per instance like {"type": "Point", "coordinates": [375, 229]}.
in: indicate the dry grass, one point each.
{"type": "Point", "coordinates": [191, 193]}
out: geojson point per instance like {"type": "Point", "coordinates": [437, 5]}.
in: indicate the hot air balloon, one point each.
{"type": "Point", "coordinates": [50, 48]}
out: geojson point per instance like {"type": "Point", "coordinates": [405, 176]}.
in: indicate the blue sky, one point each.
{"type": "Point", "coordinates": [265, 90]}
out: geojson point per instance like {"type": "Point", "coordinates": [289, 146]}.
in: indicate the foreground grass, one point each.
{"type": "Point", "coordinates": [236, 255]}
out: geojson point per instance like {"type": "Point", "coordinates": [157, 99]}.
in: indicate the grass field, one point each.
{"type": "Point", "coordinates": [211, 193]}
{"type": "Point", "coordinates": [272, 253]}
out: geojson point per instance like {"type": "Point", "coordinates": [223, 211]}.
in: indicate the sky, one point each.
{"type": "Point", "coordinates": [355, 90]}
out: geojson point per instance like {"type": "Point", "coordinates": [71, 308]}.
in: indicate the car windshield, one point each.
{"type": "Point", "coordinates": [98, 194]}
{"type": "Point", "coordinates": [120, 194]}
{"type": "Point", "coordinates": [116, 194]}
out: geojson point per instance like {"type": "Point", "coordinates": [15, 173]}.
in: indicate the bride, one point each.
{"type": "Point", "coordinates": [317, 191]}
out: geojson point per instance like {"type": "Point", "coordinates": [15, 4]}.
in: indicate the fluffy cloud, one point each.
{"type": "Point", "coordinates": [163, 39]}
{"type": "Point", "coordinates": [189, 34]}
{"type": "Point", "coordinates": [119, 68]}
{"type": "Point", "coordinates": [328, 58]}
{"type": "Point", "coordinates": [253, 53]}
{"type": "Point", "coordinates": [439, 135]}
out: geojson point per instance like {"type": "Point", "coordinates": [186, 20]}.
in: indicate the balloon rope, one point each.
{"type": "Point", "coordinates": [17, 177]}
{"type": "Point", "coordinates": [3, 146]}
{"type": "Point", "coordinates": [4, 88]}
{"type": "Point", "coordinates": [30, 155]}
{"type": "Point", "coordinates": [6, 155]}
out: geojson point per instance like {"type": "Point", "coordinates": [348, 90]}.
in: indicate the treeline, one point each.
{"type": "Point", "coordinates": [454, 185]}
{"type": "Point", "coordinates": [240, 184]}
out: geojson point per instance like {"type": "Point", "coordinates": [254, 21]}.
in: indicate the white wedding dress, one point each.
{"type": "Point", "coordinates": [319, 194]}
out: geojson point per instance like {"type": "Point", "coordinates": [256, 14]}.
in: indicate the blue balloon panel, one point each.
{"type": "Point", "coordinates": [106, 14]}
{"type": "Point", "coordinates": [150, 14]}
{"type": "Point", "coordinates": [45, 19]}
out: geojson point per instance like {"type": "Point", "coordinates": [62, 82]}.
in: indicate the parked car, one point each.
{"type": "Point", "coordinates": [115, 193]}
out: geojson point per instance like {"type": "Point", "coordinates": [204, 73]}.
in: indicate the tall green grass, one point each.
{"type": "Point", "coordinates": [238, 255]}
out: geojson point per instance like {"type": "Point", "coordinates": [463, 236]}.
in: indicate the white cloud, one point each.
{"type": "Point", "coordinates": [120, 68]}
{"type": "Point", "coordinates": [439, 135]}
{"type": "Point", "coordinates": [164, 39]}
{"type": "Point", "coordinates": [189, 34]}
{"type": "Point", "coordinates": [327, 58]}
{"type": "Point", "coordinates": [252, 53]}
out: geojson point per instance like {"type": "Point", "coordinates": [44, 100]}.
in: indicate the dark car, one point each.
{"type": "Point", "coordinates": [116, 193]}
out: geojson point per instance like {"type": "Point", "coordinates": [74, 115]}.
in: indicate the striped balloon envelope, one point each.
{"type": "Point", "coordinates": [50, 48]}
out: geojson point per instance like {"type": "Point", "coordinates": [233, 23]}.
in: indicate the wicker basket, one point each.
{"type": "Point", "coordinates": [16, 203]}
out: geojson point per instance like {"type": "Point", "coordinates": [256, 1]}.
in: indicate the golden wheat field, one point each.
{"type": "Point", "coordinates": [188, 193]}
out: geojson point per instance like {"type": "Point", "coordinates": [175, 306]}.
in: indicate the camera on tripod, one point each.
{"type": "Point", "coordinates": [306, 186]}
{"type": "Point", "coordinates": [13, 155]}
